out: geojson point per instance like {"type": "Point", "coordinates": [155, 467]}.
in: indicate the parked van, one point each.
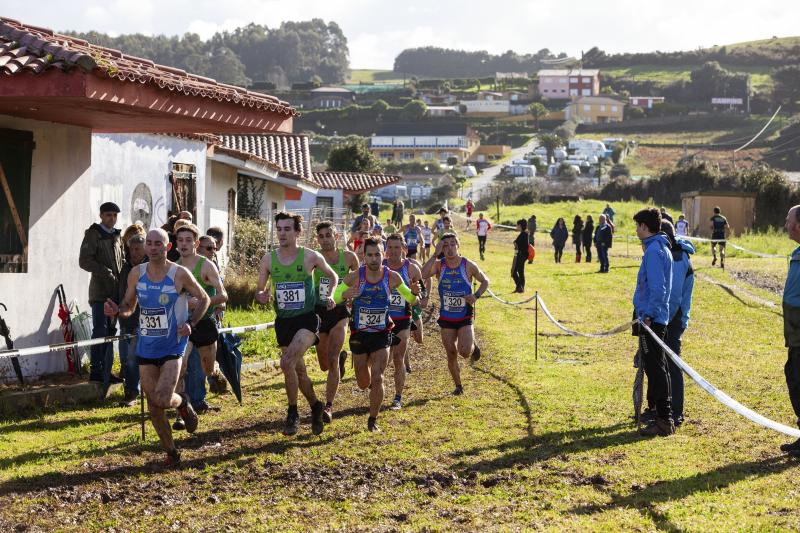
{"type": "Point", "coordinates": [524, 171]}
{"type": "Point", "coordinates": [590, 147]}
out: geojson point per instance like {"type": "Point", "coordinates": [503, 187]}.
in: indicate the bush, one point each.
{"type": "Point", "coordinates": [433, 209]}
{"type": "Point", "coordinates": [248, 247]}
{"type": "Point", "coordinates": [566, 172]}
{"type": "Point", "coordinates": [619, 170]}
{"type": "Point", "coordinates": [241, 290]}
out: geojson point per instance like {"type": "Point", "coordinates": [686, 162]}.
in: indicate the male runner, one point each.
{"type": "Point", "coordinates": [370, 327]}
{"type": "Point", "coordinates": [400, 312]}
{"type": "Point", "coordinates": [296, 324]}
{"type": "Point", "coordinates": [412, 236]}
{"type": "Point", "coordinates": [719, 230]}
{"type": "Point", "coordinates": [164, 328]}
{"type": "Point", "coordinates": [333, 323]}
{"type": "Point", "coordinates": [427, 236]}
{"type": "Point", "coordinates": [457, 302]}
{"type": "Point", "coordinates": [482, 227]}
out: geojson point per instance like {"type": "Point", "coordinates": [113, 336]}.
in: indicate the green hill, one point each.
{"type": "Point", "coordinates": [774, 42]}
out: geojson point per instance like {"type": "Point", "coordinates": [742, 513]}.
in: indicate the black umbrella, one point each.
{"type": "Point", "coordinates": [108, 354]}
{"type": "Point", "coordinates": [5, 332]}
{"type": "Point", "coordinates": [230, 361]}
{"type": "Point", "coordinates": [638, 388]}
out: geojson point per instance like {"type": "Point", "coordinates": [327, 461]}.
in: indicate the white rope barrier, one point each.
{"type": "Point", "coordinates": [721, 396]}
{"type": "Point", "coordinates": [613, 331]}
{"type": "Point", "coordinates": [501, 300]}
{"type": "Point", "coordinates": [58, 347]}
{"type": "Point", "coordinates": [734, 246]}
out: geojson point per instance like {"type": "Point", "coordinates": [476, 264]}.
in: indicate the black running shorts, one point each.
{"type": "Point", "coordinates": [447, 324]}
{"type": "Point", "coordinates": [157, 361]}
{"type": "Point", "coordinates": [329, 319]}
{"type": "Point", "coordinates": [364, 342]}
{"type": "Point", "coordinates": [204, 333]}
{"type": "Point", "coordinates": [285, 328]}
{"type": "Point", "coordinates": [401, 324]}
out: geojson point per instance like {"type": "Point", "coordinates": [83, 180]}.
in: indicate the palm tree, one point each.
{"type": "Point", "coordinates": [537, 110]}
{"type": "Point", "coordinates": [550, 142]}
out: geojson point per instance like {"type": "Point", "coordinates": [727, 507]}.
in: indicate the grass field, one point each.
{"type": "Point", "coordinates": [665, 74]}
{"type": "Point", "coordinates": [543, 444]}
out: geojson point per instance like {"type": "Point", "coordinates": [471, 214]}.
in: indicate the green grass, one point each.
{"type": "Point", "coordinates": [765, 43]}
{"type": "Point", "coordinates": [533, 444]}
{"type": "Point", "coordinates": [666, 74]}
{"type": "Point", "coordinates": [372, 76]}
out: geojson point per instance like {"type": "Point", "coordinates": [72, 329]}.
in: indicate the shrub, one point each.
{"type": "Point", "coordinates": [619, 170]}
{"type": "Point", "coordinates": [248, 247]}
{"type": "Point", "coordinates": [241, 290]}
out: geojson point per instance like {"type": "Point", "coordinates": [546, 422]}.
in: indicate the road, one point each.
{"type": "Point", "coordinates": [485, 178]}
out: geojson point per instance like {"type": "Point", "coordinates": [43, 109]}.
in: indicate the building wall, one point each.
{"type": "Point", "coordinates": [739, 210]}
{"type": "Point", "coordinates": [554, 87]}
{"type": "Point", "coordinates": [220, 179]}
{"type": "Point", "coordinates": [61, 180]}
{"type": "Point", "coordinates": [486, 107]}
{"type": "Point", "coordinates": [440, 154]}
{"type": "Point", "coordinates": [309, 200]}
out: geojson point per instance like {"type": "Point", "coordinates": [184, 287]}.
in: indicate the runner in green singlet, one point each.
{"type": "Point", "coordinates": [291, 268]}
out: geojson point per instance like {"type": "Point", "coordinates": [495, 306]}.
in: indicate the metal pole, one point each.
{"type": "Point", "coordinates": [536, 327]}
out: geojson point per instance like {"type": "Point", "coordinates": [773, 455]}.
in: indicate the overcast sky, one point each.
{"type": "Point", "coordinates": [377, 30]}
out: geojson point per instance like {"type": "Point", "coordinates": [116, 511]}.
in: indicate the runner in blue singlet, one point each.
{"type": "Point", "coordinates": [412, 236]}
{"type": "Point", "coordinates": [164, 329]}
{"type": "Point", "coordinates": [456, 302]}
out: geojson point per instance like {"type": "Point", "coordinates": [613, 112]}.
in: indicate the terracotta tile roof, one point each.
{"type": "Point", "coordinates": [31, 49]}
{"type": "Point", "coordinates": [353, 181]}
{"type": "Point", "coordinates": [290, 152]}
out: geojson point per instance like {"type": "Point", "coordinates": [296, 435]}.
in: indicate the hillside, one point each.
{"type": "Point", "coordinates": [771, 43]}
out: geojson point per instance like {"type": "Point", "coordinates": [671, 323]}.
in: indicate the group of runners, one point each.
{"type": "Point", "coordinates": [377, 290]}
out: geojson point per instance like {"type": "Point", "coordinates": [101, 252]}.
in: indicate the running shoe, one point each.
{"type": "Point", "coordinates": [714, 261]}
{"type": "Point", "coordinates": [217, 383]}
{"type": "Point", "coordinates": [179, 424]}
{"type": "Point", "coordinates": [408, 369]}
{"type": "Point", "coordinates": [327, 414]}
{"type": "Point", "coordinates": [316, 418]}
{"type": "Point", "coordinates": [791, 446]}
{"type": "Point", "coordinates": [205, 407]}
{"type": "Point", "coordinates": [188, 415]}
{"type": "Point", "coordinates": [292, 423]}
{"type": "Point", "coordinates": [458, 391]}
{"type": "Point", "coordinates": [342, 360]}
{"type": "Point", "coordinates": [173, 458]}
{"type": "Point", "coordinates": [397, 404]}
{"type": "Point", "coordinates": [476, 354]}
{"type": "Point", "coordinates": [659, 427]}
{"type": "Point", "coordinates": [372, 424]}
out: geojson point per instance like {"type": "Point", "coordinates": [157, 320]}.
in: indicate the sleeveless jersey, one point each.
{"type": "Point", "coordinates": [323, 283]}
{"type": "Point", "coordinates": [294, 288]}
{"type": "Point", "coordinates": [161, 311]}
{"type": "Point", "coordinates": [718, 222]}
{"type": "Point", "coordinates": [197, 272]}
{"type": "Point", "coordinates": [411, 236]}
{"type": "Point", "coordinates": [371, 306]}
{"type": "Point", "coordinates": [427, 234]}
{"type": "Point", "coordinates": [398, 307]}
{"type": "Point", "coordinates": [454, 285]}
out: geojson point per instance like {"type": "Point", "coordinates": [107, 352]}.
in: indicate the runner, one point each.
{"type": "Point", "coordinates": [427, 236]}
{"type": "Point", "coordinates": [205, 333]}
{"type": "Point", "coordinates": [333, 323]}
{"type": "Point", "coordinates": [370, 289]}
{"type": "Point", "coordinates": [296, 324]}
{"type": "Point", "coordinates": [482, 227]}
{"type": "Point", "coordinates": [457, 302]}
{"type": "Point", "coordinates": [400, 312]}
{"type": "Point", "coordinates": [412, 236]}
{"type": "Point", "coordinates": [164, 328]}
{"type": "Point", "coordinates": [719, 230]}
{"type": "Point", "coordinates": [469, 207]}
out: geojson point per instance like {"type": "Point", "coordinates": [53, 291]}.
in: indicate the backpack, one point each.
{"type": "Point", "coordinates": [531, 252]}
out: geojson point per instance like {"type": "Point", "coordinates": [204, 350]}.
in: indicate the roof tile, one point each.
{"type": "Point", "coordinates": [353, 181]}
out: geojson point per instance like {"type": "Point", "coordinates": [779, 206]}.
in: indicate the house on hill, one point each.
{"type": "Point", "coordinates": [424, 140]}
{"type": "Point", "coordinates": [566, 84]}
{"type": "Point", "coordinates": [331, 97]}
{"type": "Point", "coordinates": [595, 110]}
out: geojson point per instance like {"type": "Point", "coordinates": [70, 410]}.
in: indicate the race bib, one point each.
{"type": "Point", "coordinates": [153, 322]}
{"type": "Point", "coordinates": [324, 288]}
{"type": "Point", "coordinates": [290, 295]}
{"type": "Point", "coordinates": [454, 302]}
{"type": "Point", "coordinates": [396, 300]}
{"type": "Point", "coordinates": [411, 242]}
{"type": "Point", "coordinates": [371, 318]}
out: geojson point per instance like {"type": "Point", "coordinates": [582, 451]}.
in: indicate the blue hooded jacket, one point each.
{"type": "Point", "coordinates": [680, 296]}
{"type": "Point", "coordinates": [654, 281]}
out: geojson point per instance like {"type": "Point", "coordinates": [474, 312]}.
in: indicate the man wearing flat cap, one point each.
{"type": "Point", "coordinates": [102, 255]}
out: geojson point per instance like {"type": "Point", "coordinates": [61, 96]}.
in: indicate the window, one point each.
{"type": "Point", "coordinates": [587, 80]}
{"type": "Point", "coordinates": [614, 108]}
{"type": "Point", "coordinates": [16, 153]}
{"type": "Point", "coordinates": [387, 155]}
{"type": "Point", "coordinates": [407, 155]}
{"type": "Point", "coordinates": [563, 80]}
{"type": "Point", "coordinates": [586, 92]}
{"type": "Point", "coordinates": [587, 107]}
{"type": "Point", "coordinates": [250, 196]}
{"type": "Point", "coordinates": [427, 156]}
{"type": "Point", "coordinates": [563, 90]}
{"type": "Point", "coordinates": [602, 108]}
{"type": "Point", "coordinates": [183, 178]}
{"type": "Point", "coordinates": [573, 92]}
{"type": "Point", "coordinates": [573, 80]}
{"type": "Point", "coordinates": [547, 90]}
{"type": "Point", "coordinates": [326, 203]}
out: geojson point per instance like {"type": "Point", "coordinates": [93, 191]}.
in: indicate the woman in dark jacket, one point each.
{"type": "Point", "coordinates": [559, 234]}
{"type": "Point", "coordinates": [520, 255]}
{"type": "Point", "coordinates": [587, 235]}
{"type": "Point", "coordinates": [577, 236]}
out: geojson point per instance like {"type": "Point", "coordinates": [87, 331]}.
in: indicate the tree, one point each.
{"type": "Point", "coordinates": [227, 68]}
{"type": "Point", "coordinates": [353, 157]}
{"type": "Point", "coordinates": [414, 110]}
{"type": "Point", "coordinates": [566, 130]}
{"type": "Point", "coordinates": [787, 84]}
{"type": "Point", "coordinates": [380, 106]}
{"type": "Point", "coordinates": [537, 110]}
{"type": "Point", "coordinates": [452, 160]}
{"type": "Point", "coordinates": [550, 143]}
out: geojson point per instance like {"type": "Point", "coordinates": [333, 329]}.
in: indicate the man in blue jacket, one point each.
{"type": "Point", "coordinates": [603, 236]}
{"type": "Point", "coordinates": [651, 306]}
{"type": "Point", "coordinates": [791, 324]}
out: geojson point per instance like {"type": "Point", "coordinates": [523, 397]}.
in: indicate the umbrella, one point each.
{"type": "Point", "coordinates": [73, 356]}
{"type": "Point", "coordinates": [5, 332]}
{"type": "Point", "coordinates": [638, 387]}
{"type": "Point", "coordinates": [108, 356]}
{"type": "Point", "coordinates": [230, 361]}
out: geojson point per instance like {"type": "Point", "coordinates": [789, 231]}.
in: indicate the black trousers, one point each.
{"type": "Point", "coordinates": [518, 272]}
{"type": "Point", "coordinates": [659, 385]}
{"type": "Point", "coordinates": [792, 371]}
{"type": "Point", "coordinates": [559, 251]}
{"type": "Point", "coordinates": [588, 249]}
{"type": "Point", "coordinates": [482, 244]}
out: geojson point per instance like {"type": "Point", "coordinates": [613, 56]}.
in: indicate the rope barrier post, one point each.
{"type": "Point", "coordinates": [141, 405]}
{"type": "Point", "coordinates": [536, 327]}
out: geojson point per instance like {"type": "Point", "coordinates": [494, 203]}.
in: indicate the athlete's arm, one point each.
{"type": "Point", "coordinates": [430, 268]}
{"type": "Point", "coordinates": [477, 274]}
{"type": "Point", "coordinates": [211, 276]}
{"type": "Point", "coordinates": [264, 270]}
{"type": "Point", "coordinates": [184, 281]}
{"type": "Point", "coordinates": [317, 261]}
{"type": "Point", "coordinates": [347, 289]}
{"type": "Point", "coordinates": [396, 283]}
{"type": "Point", "coordinates": [128, 305]}
{"type": "Point", "coordinates": [352, 260]}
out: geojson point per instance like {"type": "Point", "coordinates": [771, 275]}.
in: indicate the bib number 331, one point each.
{"type": "Point", "coordinates": [153, 322]}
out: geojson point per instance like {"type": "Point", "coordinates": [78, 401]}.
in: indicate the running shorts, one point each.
{"type": "Point", "coordinates": [157, 361]}
{"type": "Point", "coordinates": [286, 328]}
{"type": "Point", "coordinates": [447, 324]}
{"type": "Point", "coordinates": [329, 319]}
{"type": "Point", "coordinates": [365, 342]}
{"type": "Point", "coordinates": [204, 333]}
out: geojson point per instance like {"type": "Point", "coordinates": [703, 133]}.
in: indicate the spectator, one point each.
{"type": "Point", "coordinates": [682, 226]}
{"type": "Point", "coordinates": [791, 323]}
{"type": "Point", "coordinates": [360, 218]}
{"type": "Point", "coordinates": [389, 228]}
{"type": "Point", "coordinates": [651, 307]}
{"type": "Point", "coordinates": [375, 208]}
{"type": "Point", "coordinates": [609, 213]}
{"type": "Point", "coordinates": [665, 216]}
{"type": "Point", "coordinates": [559, 234]}
{"type": "Point", "coordinates": [586, 237]}
{"type": "Point", "coordinates": [603, 236]}
{"type": "Point", "coordinates": [133, 242]}
{"type": "Point", "coordinates": [169, 227]}
{"type": "Point", "coordinates": [482, 227]}
{"type": "Point", "coordinates": [532, 230]}
{"type": "Point", "coordinates": [186, 215]}
{"type": "Point", "coordinates": [219, 241]}
{"type": "Point", "coordinates": [577, 236]}
{"type": "Point", "coordinates": [439, 224]}
{"type": "Point", "coordinates": [520, 255]}
{"type": "Point", "coordinates": [399, 212]}
{"type": "Point", "coordinates": [102, 254]}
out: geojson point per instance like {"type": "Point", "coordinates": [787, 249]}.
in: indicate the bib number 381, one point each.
{"type": "Point", "coordinates": [290, 295]}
